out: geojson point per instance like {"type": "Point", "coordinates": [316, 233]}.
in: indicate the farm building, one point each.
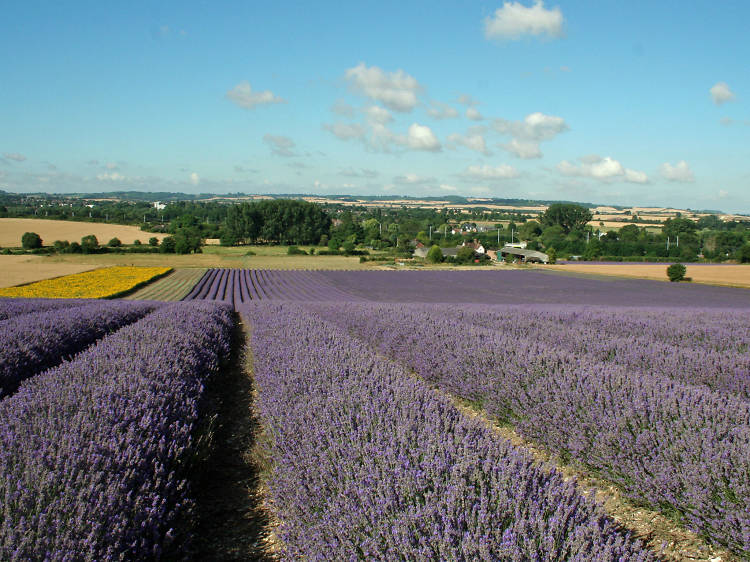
{"type": "Point", "coordinates": [524, 254]}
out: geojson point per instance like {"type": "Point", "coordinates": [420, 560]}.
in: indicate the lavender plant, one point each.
{"type": "Point", "coordinates": [94, 453]}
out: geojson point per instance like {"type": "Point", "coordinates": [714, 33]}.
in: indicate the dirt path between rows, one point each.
{"type": "Point", "coordinates": [233, 519]}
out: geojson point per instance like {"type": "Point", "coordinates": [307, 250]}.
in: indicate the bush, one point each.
{"type": "Point", "coordinates": [552, 254]}
{"type": "Point", "coordinates": [435, 255]}
{"type": "Point", "coordinates": [295, 251]}
{"type": "Point", "coordinates": [136, 242]}
{"type": "Point", "coordinates": [31, 240]}
{"type": "Point", "coordinates": [114, 243]}
{"type": "Point", "coordinates": [676, 272]}
{"type": "Point", "coordinates": [74, 248]}
{"type": "Point", "coordinates": [153, 241]}
{"type": "Point", "coordinates": [168, 245]}
{"type": "Point", "coordinates": [61, 245]}
{"type": "Point", "coordinates": [249, 253]}
{"type": "Point", "coordinates": [89, 244]}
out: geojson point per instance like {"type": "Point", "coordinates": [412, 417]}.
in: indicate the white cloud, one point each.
{"type": "Point", "coordinates": [342, 108]}
{"type": "Point", "coordinates": [421, 137]}
{"type": "Point", "coordinates": [473, 140]}
{"type": "Point", "coordinates": [439, 110]}
{"type": "Point", "coordinates": [15, 156]}
{"type": "Point", "coordinates": [377, 114]}
{"type": "Point", "coordinates": [501, 172]}
{"type": "Point", "coordinates": [396, 90]}
{"type": "Point", "coordinates": [280, 145]}
{"type": "Point", "coordinates": [446, 187]}
{"type": "Point", "coordinates": [113, 176]}
{"type": "Point", "coordinates": [345, 131]}
{"type": "Point", "coordinates": [535, 127]}
{"type": "Point", "coordinates": [514, 20]}
{"type": "Point", "coordinates": [523, 149]}
{"type": "Point", "coordinates": [723, 194]}
{"type": "Point", "coordinates": [602, 169]}
{"type": "Point", "coordinates": [361, 173]}
{"type": "Point", "coordinates": [721, 93]}
{"type": "Point", "coordinates": [680, 172]}
{"type": "Point", "coordinates": [467, 100]}
{"type": "Point", "coordinates": [242, 94]}
{"type": "Point", "coordinates": [195, 178]}
{"type": "Point", "coordinates": [412, 179]}
{"type": "Point", "coordinates": [473, 114]}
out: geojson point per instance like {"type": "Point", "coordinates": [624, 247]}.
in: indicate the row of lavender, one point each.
{"type": "Point", "coordinates": [671, 444]}
{"type": "Point", "coordinates": [34, 339]}
{"type": "Point", "coordinates": [95, 454]}
{"type": "Point", "coordinates": [371, 464]}
{"type": "Point", "coordinates": [239, 286]}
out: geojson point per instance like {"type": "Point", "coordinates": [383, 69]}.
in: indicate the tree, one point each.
{"type": "Point", "coordinates": [676, 272]}
{"type": "Point", "coordinates": [153, 241]}
{"type": "Point", "coordinates": [552, 255]}
{"type": "Point", "coordinates": [744, 253]}
{"type": "Point", "coordinates": [168, 245]}
{"type": "Point", "coordinates": [89, 244]}
{"type": "Point", "coordinates": [567, 215]}
{"type": "Point", "coordinates": [114, 243]}
{"type": "Point", "coordinates": [31, 241]}
{"type": "Point", "coordinates": [435, 255]}
{"type": "Point", "coordinates": [61, 245]}
{"type": "Point", "coordinates": [465, 254]}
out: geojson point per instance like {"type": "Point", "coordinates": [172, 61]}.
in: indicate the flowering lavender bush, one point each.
{"type": "Point", "coordinates": [669, 444]}
{"type": "Point", "coordinates": [94, 453]}
{"type": "Point", "coordinates": [10, 308]}
{"type": "Point", "coordinates": [369, 463]}
{"type": "Point", "coordinates": [38, 340]}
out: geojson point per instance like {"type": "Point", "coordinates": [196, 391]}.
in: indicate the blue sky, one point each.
{"type": "Point", "coordinates": [637, 103]}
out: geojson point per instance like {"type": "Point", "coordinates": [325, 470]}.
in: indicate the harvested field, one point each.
{"type": "Point", "coordinates": [11, 231]}
{"type": "Point", "coordinates": [726, 275]}
{"type": "Point", "coordinates": [26, 269]}
{"type": "Point", "coordinates": [173, 287]}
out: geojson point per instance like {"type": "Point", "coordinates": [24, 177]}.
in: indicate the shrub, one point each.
{"type": "Point", "coordinates": [168, 245]}
{"type": "Point", "coordinates": [31, 240]}
{"type": "Point", "coordinates": [114, 243]}
{"type": "Point", "coordinates": [552, 254]}
{"type": "Point", "coordinates": [61, 245]}
{"type": "Point", "coordinates": [89, 244]}
{"type": "Point", "coordinates": [435, 255]}
{"type": "Point", "coordinates": [74, 248]}
{"type": "Point", "coordinates": [676, 272]}
{"type": "Point", "coordinates": [153, 241]}
{"type": "Point", "coordinates": [295, 251]}
{"type": "Point", "coordinates": [136, 242]}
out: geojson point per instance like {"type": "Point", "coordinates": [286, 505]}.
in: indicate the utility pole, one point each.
{"type": "Point", "coordinates": [430, 232]}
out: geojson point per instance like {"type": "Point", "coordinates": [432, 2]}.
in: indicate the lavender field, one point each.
{"type": "Point", "coordinates": [647, 385]}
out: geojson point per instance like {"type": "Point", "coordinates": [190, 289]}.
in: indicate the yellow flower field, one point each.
{"type": "Point", "coordinates": [97, 284]}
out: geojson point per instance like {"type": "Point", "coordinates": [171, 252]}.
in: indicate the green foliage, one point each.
{"type": "Point", "coordinates": [75, 248]}
{"type": "Point", "coordinates": [187, 240]}
{"type": "Point", "coordinates": [283, 221]}
{"type": "Point", "coordinates": [509, 258]}
{"type": "Point", "coordinates": [566, 215]}
{"type": "Point", "coordinates": [323, 240]}
{"type": "Point", "coordinates": [435, 255]}
{"type": "Point", "coordinates": [552, 254]}
{"type": "Point", "coordinates": [676, 272]}
{"type": "Point", "coordinates": [31, 240]}
{"type": "Point", "coordinates": [465, 255]}
{"type": "Point", "coordinates": [136, 242]}
{"type": "Point", "coordinates": [744, 253]}
{"type": "Point", "coordinates": [153, 241]}
{"type": "Point", "coordinates": [114, 243]}
{"type": "Point", "coordinates": [61, 246]}
{"type": "Point", "coordinates": [295, 251]}
{"type": "Point", "coordinates": [348, 247]}
{"type": "Point", "coordinates": [89, 244]}
{"type": "Point", "coordinates": [168, 245]}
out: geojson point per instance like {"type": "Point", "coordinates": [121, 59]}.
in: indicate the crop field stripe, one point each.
{"type": "Point", "coordinates": [259, 289]}
{"type": "Point", "coordinates": [13, 307]}
{"type": "Point", "coordinates": [397, 471]}
{"type": "Point", "coordinates": [40, 340]}
{"type": "Point", "coordinates": [195, 291]}
{"type": "Point", "coordinates": [666, 443]}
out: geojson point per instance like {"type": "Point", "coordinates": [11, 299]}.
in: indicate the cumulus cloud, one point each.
{"type": "Point", "coordinates": [501, 172]}
{"type": "Point", "coordinates": [244, 96]}
{"type": "Point", "coordinates": [195, 178]}
{"type": "Point", "coordinates": [473, 140]}
{"type": "Point", "coordinates": [421, 137]}
{"type": "Point", "coordinates": [473, 114]}
{"type": "Point", "coordinates": [527, 134]}
{"type": "Point", "coordinates": [602, 169]}
{"type": "Point", "coordinates": [523, 149]}
{"type": "Point", "coordinates": [280, 145]}
{"type": "Point", "coordinates": [447, 187]}
{"type": "Point", "coordinates": [377, 114]}
{"type": "Point", "coordinates": [110, 176]}
{"type": "Point", "coordinates": [361, 173]}
{"type": "Point", "coordinates": [515, 20]}
{"type": "Point", "coordinates": [412, 179]}
{"type": "Point", "coordinates": [439, 110]}
{"type": "Point", "coordinates": [345, 131]}
{"type": "Point", "coordinates": [396, 90]}
{"type": "Point", "coordinates": [680, 172]}
{"type": "Point", "coordinates": [342, 108]}
{"type": "Point", "coordinates": [467, 100]}
{"type": "Point", "coordinates": [720, 93]}
{"type": "Point", "coordinates": [15, 156]}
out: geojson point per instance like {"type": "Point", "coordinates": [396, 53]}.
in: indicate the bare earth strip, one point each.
{"type": "Point", "coordinates": [11, 231]}
{"type": "Point", "coordinates": [16, 270]}
{"type": "Point", "coordinates": [727, 275]}
{"type": "Point", "coordinates": [173, 287]}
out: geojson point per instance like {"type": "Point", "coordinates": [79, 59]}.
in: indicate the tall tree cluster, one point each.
{"type": "Point", "coordinates": [282, 221]}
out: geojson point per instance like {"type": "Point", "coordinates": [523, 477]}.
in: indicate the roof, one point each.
{"type": "Point", "coordinates": [525, 254]}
